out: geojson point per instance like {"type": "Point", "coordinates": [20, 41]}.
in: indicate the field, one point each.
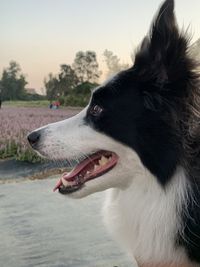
{"type": "Point", "coordinates": [18, 103]}
{"type": "Point", "coordinates": [16, 122]}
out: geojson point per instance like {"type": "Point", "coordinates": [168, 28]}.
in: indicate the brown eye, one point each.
{"type": "Point", "coordinates": [95, 110]}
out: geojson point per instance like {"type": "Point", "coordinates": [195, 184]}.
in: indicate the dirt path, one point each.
{"type": "Point", "coordinates": [16, 170]}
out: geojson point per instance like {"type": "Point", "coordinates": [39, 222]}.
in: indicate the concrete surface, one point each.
{"type": "Point", "coordinates": [42, 228]}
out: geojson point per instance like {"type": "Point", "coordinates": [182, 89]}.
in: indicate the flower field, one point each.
{"type": "Point", "coordinates": [17, 122]}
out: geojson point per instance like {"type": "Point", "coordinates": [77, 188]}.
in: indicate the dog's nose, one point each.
{"type": "Point", "coordinates": [33, 138]}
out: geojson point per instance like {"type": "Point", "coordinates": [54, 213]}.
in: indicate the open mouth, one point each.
{"type": "Point", "coordinates": [90, 168]}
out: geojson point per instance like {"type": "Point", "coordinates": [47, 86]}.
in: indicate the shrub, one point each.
{"type": "Point", "coordinates": [61, 100]}
{"type": "Point", "coordinates": [76, 101]}
{"type": "Point", "coordinates": [79, 96]}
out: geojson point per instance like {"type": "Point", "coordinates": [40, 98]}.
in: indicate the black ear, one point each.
{"type": "Point", "coordinates": [164, 50]}
{"type": "Point", "coordinates": [162, 63]}
{"type": "Point", "coordinates": [164, 31]}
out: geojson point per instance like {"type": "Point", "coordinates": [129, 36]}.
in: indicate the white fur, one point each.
{"type": "Point", "coordinates": [71, 139]}
{"type": "Point", "coordinates": [146, 218]}
{"type": "Point", "coordinates": [138, 211]}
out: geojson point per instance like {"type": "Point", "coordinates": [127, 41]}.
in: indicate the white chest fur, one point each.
{"type": "Point", "coordinates": [145, 218]}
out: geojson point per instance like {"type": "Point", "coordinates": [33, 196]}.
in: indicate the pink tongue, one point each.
{"type": "Point", "coordinates": [70, 176]}
{"type": "Point", "coordinates": [58, 185]}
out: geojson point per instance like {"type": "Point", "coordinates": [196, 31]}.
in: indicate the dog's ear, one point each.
{"type": "Point", "coordinates": [164, 34]}
{"type": "Point", "coordinates": [164, 49]}
{"type": "Point", "coordinates": [162, 57]}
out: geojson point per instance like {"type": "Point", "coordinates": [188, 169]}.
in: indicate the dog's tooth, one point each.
{"type": "Point", "coordinates": [65, 182]}
{"type": "Point", "coordinates": [77, 179]}
{"type": "Point", "coordinates": [96, 167]}
{"type": "Point", "coordinates": [103, 161]}
{"type": "Point", "coordinates": [87, 173]}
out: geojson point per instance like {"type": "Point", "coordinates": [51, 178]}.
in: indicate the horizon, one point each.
{"type": "Point", "coordinates": [41, 35]}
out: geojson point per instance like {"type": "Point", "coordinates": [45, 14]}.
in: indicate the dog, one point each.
{"type": "Point", "coordinates": [139, 137]}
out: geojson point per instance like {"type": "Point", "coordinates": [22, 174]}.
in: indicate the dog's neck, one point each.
{"type": "Point", "coordinates": [144, 219]}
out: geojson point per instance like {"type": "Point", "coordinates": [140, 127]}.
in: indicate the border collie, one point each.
{"type": "Point", "coordinates": [140, 137]}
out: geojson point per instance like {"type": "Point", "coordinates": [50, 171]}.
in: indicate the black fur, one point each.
{"type": "Point", "coordinates": [155, 110]}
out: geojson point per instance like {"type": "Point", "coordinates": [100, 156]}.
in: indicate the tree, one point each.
{"type": "Point", "coordinates": [86, 66]}
{"type": "Point", "coordinates": [113, 63]}
{"type": "Point", "coordinates": [61, 85]}
{"type": "Point", "coordinates": [52, 87]}
{"type": "Point", "coordinates": [68, 79]}
{"type": "Point", "coordinates": [13, 82]}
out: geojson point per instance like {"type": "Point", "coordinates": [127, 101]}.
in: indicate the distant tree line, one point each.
{"type": "Point", "coordinates": [84, 70]}
{"type": "Point", "coordinates": [12, 83]}
{"type": "Point", "coordinates": [72, 85]}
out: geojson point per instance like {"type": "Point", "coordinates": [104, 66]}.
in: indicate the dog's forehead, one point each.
{"type": "Point", "coordinates": [113, 80]}
{"type": "Point", "coordinates": [105, 89]}
{"type": "Point", "coordinates": [114, 84]}
{"type": "Point", "coordinates": [109, 83]}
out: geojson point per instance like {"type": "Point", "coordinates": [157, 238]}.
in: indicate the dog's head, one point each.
{"type": "Point", "coordinates": [132, 124]}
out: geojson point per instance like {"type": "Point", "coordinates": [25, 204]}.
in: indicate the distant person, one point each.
{"type": "Point", "coordinates": [0, 103]}
{"type": "Point", "coordinates": [57, 104]}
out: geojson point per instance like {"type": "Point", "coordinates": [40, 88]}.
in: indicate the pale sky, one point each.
{"type": "Point", "coordinates": [42, 34]}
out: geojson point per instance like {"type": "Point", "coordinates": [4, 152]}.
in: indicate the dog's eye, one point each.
{"type": "Point", "coordinates": [95, 110]}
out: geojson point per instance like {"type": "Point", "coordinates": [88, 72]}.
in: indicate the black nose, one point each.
{"type": "Point", "coordinates": [33, 138]}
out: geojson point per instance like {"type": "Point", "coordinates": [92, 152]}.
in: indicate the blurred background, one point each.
{"type": "Point", "coordinates": [52, 55]}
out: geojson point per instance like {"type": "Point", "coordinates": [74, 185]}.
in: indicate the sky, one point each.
{"type": "Point", "coordinates": [42, 34]}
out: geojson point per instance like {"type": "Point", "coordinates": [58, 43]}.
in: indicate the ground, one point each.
{"type": "Point", "coordinates": [42, 228]}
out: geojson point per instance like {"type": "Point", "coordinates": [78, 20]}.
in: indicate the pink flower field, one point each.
{"type": "Point", "coordinates": [17, 122]}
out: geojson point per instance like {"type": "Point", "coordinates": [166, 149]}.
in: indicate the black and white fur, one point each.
{"type": "Point", "coordinates": [151, 119]}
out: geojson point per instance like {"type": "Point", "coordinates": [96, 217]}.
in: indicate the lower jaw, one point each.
{"type": "Point", "coordinates": [70, 190]}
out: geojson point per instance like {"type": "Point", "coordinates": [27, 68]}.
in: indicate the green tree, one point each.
{"type": "Point", "coordinates": [52, 87]}
{"type": "Point", "coordinates": [113, 63]}
{"type": "Point", "coordinates": [67, 79]}
{"type": "Point", "coordinates": [13, 82]}
{"type": "Point", "coordinates": [61, 84]}
{"type": "Point", "coordinates": [86, 66]}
